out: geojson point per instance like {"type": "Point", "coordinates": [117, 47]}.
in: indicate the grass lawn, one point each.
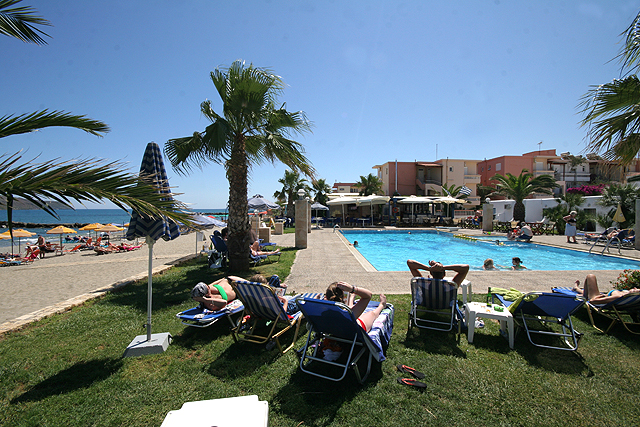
{"type": "Point", "coordinates": [68, 370]}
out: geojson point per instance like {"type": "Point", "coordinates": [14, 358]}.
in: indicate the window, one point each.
{"type": "Point", "coordinates": [450, 168]}
{"type": "Point", "coordinates": [489, 167]}
{"type": "Point", "coordinates": [498, 166]}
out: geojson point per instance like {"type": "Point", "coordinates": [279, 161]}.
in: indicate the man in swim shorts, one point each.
{"type": "Point", "coordinates": [216, 295]}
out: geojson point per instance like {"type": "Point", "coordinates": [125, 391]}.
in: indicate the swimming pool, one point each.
{"type": "Point", "coordinates": [389, 250]}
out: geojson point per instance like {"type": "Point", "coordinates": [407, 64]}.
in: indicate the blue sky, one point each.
{"type": "Point", "coordinates": [380, 80]}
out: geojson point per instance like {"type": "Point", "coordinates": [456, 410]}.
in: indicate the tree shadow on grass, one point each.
{"type": "Point", "coordinates": [76, 377]}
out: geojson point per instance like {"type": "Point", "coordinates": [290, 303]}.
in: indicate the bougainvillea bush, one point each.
{"type": "Point", "coordinates": [587, 190]}
{"type": "Point", "coordinates": [628, 279]}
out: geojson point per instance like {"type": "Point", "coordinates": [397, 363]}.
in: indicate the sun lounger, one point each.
{"type": "Point", "coordinates": [624, 310]}
{"type": "Point", "coordinates": [335, 322]}
{"type": "Point", "coordinates": [201, 317]}
{"type": "Point", "coordinates": [538, 312]}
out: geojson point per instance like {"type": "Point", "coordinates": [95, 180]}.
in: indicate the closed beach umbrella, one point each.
{"type": "Point", "coordinates": [61, 230]}
{"type": "Point", "coordinates": [619, 216]}
{"type": "Point", "coordinates": [19, 233]}
{"type": "Point", "coordinates": [152, 228]}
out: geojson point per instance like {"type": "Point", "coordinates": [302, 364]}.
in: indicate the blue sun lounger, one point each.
{"type": "Point", "coordinates": [546, 309]}
{"type": "Point", "coordinates": [201, 317]}
{"type": "Point", "coordinates": [334, 321]}
{"type": "Point", "coordinates": [624, 310]}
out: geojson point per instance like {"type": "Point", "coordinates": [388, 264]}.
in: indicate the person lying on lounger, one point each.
{"type": "Point", "coordinates": [255, 250]}
{"type": "Point", "coordinates": [336, 292]}
{"type": "Point", "coordinates": [437, 270]}
{"type": "Point", "coordinates": [594, 294]}
{"type": "Point", "coordinates": [216, 295]}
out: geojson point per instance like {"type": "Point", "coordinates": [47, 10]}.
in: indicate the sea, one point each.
{"type": "Point", "coordinates": [82, 216]}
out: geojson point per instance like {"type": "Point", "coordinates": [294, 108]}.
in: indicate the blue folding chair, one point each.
{"type": "Point", "coordinates": [267, 320]}
{"type": "Point", "coordinates": [334, 321]}
{"type": "Point", "coordinates": [201, 317]}
{"type": "Point", "coordinates": [220, 257]}
{"type": "Point", "coordinates": [546, 309]}
{"type": "Point", "coordinates": [434, 305]}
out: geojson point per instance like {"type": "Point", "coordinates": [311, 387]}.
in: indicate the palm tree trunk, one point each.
{"type": "Point", "coordinates": [518, 211]}
{"type": "Point", "coordinates": [239, 227]}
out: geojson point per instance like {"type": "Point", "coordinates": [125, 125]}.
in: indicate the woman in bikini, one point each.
{"type": "Point", "coordinates": [216, 295]}
{"type": "Point", "coordinates": [594, 295]}
{"type": "Point", "coordinates": [336, 292]}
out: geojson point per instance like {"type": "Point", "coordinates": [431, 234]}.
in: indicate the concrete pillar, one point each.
{"type": "Point", "coordinates": [302, 223]}
{"type": "Point", "coordinates": [487, 217]}
{"type": "Point", "coordinates": [279, 228]}
{"type": "Point", "coordinates": [637, 226]}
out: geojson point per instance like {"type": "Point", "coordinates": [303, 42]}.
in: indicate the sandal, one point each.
{"type": "Point", "coordinates": [410, 370]}
{"type": "Point", "coordinates": [412, 382]}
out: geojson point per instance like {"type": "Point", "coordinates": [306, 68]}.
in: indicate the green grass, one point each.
{"type": "Point", "coordinates": [68, 370]}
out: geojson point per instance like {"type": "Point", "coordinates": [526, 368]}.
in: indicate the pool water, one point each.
{"type": "Point", "coordinates": [389, 250]}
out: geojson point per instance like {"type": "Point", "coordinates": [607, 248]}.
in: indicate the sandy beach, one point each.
{"type": "Point", "coordinates": [56, 283]}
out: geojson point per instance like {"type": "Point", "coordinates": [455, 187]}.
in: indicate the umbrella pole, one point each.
{"type": "Point", "coordinates": [150, 243]}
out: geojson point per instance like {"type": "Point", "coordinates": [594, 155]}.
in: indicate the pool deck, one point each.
{"type": "Point", "coordinates": [328, 258]}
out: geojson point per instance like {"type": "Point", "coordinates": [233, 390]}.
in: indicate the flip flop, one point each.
{"type": "Point", "coordinates": [411, 382]}
{"type": "Point", "coordinates": [410, 370]}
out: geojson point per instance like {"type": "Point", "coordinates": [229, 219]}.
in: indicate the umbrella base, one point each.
{"type": "Point", "coordinates": [141, 347]}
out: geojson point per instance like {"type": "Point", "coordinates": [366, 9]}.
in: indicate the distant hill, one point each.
{"type": "Point", "coordinates": [22, 204]}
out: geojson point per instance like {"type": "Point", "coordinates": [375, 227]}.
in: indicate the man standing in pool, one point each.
{"type": "Point", "coordinates": [437, 270]}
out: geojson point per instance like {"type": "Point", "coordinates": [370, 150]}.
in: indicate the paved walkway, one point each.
{"type": "Point", "coordinates": [55, 284]}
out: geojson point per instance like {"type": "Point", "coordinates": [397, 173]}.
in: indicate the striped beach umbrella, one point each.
{"type": "Point", "coordinates": [153, 229]}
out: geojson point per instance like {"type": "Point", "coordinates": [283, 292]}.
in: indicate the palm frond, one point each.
{"type": "Point", "coordinates": [19, 22]}
{"type": "Point", "coordinates": [85, 180]}
{"type": "Point", "coordinates": [14, 125]}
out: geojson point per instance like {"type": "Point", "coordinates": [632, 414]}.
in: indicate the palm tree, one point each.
{"type": "Point", "coordinates": [79, 180]}
{"type": "Point", "coordinates": [321, 189]}
{"type": "Point", "coordinates": [291, 183]}
{"type": "Point", "coordinates": [612, 110]}
{"type": "Point", "coordinates": [453, 191]}
{"type": "Point", "coordinates": [520, 187]}
{"type": "Point", "coordinates": [369, 185]}
{"type": "Point", "coordinates": [251, 130]}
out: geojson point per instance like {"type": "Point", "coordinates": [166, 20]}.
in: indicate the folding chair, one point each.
{"type": "Point", "coordinates": [438, 300]}
{"type": "Point", "coordinates": [546, 309]}
{"type": "Point", "coordinates": [265, 310]}
{"type": "Point", "coordinates": [201, 317]}
{"type": "Point", "coordinates": [220, 257]}
{"type": "Point", "coordinates": [334, 321]}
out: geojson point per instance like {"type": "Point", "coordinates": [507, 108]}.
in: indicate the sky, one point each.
{"type": "Point", "coordinates": [380, 80]}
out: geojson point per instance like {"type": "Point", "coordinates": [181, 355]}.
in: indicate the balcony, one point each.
{"type": "Point", "coordinates": [471, 179]}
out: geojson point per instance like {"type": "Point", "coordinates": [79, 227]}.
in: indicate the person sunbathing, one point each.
{"type": "Point", "coordinates": [336, 292]}
{"type": "Point", "coordinates": [215, 296]}
{"type": "Point", "coordinates": [437, 270]}
{"type": "Point", "coordinates": [594, 295]}
{"type": "Point", "coordinates": [255, 250]}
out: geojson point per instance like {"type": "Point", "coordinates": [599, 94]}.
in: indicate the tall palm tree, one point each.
{"type": "Point", "coordinates": [291, 183]}
{"type": "Point", "coordinates": [612, 110]}
{"type": "Point", "coordinates": [79, 180]}
{"type": "Point", "coordinates": [369, 185]}
{"type": "Point", "coordinates": [453, 191]}
{"type": "Point", "coordinates": [321, 189]}
{"type": "Point", "coordinates": [250, 131]}
{"type": "Point", "coordinates": [522, 186]}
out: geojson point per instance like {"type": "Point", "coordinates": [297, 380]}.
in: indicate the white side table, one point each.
{"type": "Point", "coordinates": [465, 287]}
{"type": "Point", "coordinates": [477, 309]}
